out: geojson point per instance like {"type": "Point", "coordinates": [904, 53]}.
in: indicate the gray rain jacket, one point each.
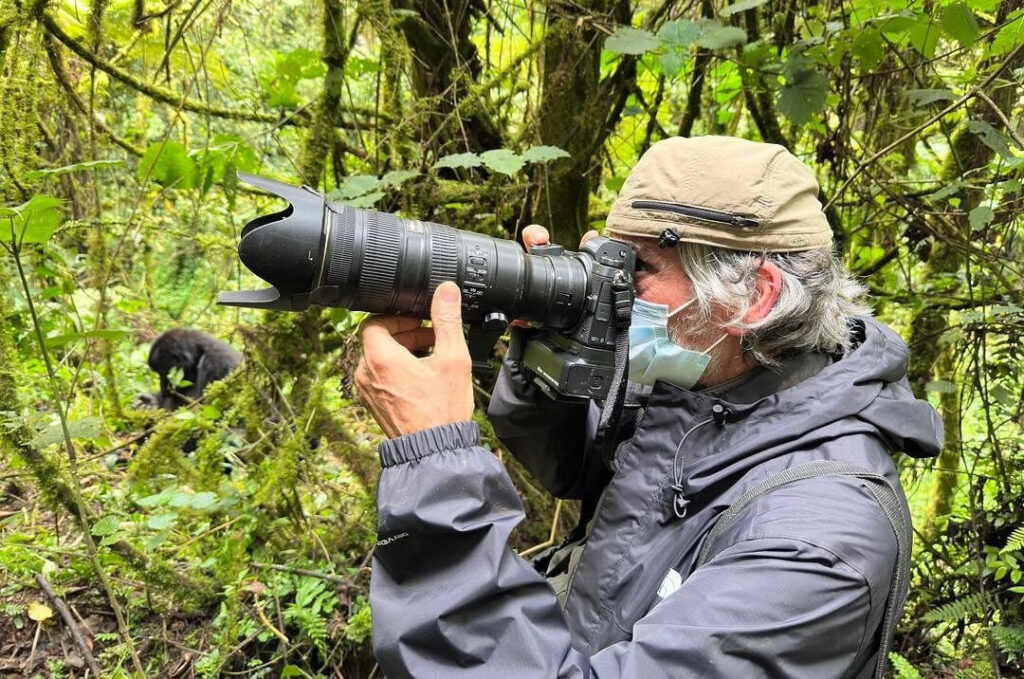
{"type": "Point", "coordinates": [796, 586]}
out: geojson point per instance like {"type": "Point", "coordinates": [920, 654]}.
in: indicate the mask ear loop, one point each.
{"type": "Point", "coordinates": [681, 307]}
{"type": "Point", "coordinates": [716, 343]}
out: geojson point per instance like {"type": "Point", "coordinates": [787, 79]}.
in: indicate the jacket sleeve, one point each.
{"type": "Point", "coordinates": [548, 437]}
{"type": "Point", "coordinates": [450, 598]}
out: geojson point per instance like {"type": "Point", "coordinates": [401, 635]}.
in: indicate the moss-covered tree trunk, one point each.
{"type": "Point", "coordinates": [576, 112]}
{"type": "Point", "coordinates": [968, 161]}
{"type": "Point", "coordinates": [320, 140]}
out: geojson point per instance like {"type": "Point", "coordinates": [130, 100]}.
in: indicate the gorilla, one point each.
{"type": "Point", "coordinates": [202, 359]}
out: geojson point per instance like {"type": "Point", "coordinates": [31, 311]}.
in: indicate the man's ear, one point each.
{"type": "Point", "coordinates": [768, 286]}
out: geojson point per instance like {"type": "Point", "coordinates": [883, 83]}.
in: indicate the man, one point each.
{"type": "Point", "coordinates": [750, 359]}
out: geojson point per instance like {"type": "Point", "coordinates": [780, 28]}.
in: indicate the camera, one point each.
{"type": "Point", "coordinates": [317, 252]}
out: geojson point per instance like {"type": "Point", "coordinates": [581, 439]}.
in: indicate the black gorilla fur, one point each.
{"type": "Point", "coordinates": [202, 359]}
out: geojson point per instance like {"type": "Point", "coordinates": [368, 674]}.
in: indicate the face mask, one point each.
{"type": "Point", "coordinates": [654, 356]}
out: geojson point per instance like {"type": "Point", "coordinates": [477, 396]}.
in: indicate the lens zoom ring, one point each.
{"type": "Point", "coordinates": [377, 279]}
{"type": "Point", "coordinates": [444, 260]}
{"type": "Point", "coordinates": [343, 249]}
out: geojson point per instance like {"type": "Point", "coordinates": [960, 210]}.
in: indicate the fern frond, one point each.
{"type": "Point", "coordinates": [1009, 639]}
{"type": "Point", "coordinates": [902, 667]}
{"type": "Point", "coordinates": [1015, 542]}
{"type": "Point", "coordinates": [961, 609]}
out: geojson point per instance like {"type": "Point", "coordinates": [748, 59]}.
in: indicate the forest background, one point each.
{"type": "Point", "coordinates": [123, 123]}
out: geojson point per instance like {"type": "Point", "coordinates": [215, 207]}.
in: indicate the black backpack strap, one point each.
{"type": "Point", "coordinates": [887, 498]}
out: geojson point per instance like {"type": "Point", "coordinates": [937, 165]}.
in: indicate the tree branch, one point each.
{"type": "Point", "coordinates": [170, 97]}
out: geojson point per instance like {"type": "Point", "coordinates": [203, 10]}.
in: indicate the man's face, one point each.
{"type": "Point", "coordinates": [661, 279]}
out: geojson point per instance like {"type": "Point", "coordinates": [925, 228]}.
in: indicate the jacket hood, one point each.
{"type": "Point", "coordinates": [866, 392]}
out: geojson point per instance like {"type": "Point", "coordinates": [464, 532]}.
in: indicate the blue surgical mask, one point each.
{"type": "Point", "coordinates": [654, 356]}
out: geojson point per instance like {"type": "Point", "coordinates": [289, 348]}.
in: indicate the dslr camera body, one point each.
{"type": "Point", "coordinates": [316, 252]}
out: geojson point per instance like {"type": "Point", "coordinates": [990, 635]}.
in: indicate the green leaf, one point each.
{"type": "Point", "coordinates": [31, 222]}
{"type": "Point", "coordinates": [163, 497]}
{"type": "Point", "coordinates": [355, 186]}
{"type": "Point", "coordinates": [919, 98]}
{"type": "Point", "coordinates": [60, 340]}
{"type": "Point", "coordinates": [162, 521]}
{"type": "Point", "coordinates": [396, 178]}
{"type": "Point", "coordinates": [85, 428]}
{"type": "Point", "coordinates": [543, 154]}
{"type": "Point", "coordinates": [108, 525]}
{"type": "Point", "coordinates": [76, 167]}
{"type": "Point", "coordinates": [679, 33]}
{"type": "Point", "coordinates": [672, 61]}
{"type": "Point", "coordinates": [628, 40]}
{"type": "Point", "coordinates": [990, 137]}
{"type": "Point", "coordinates": [950, 189]}
{"type": "Point", "coordinates": [365, 201]}
{"type": "Point", "coordinates": [959, 23]}
{"type": "Point", "coordinates": [941, 387]}
{"type": "Point", "coordinates": [980, 217]}
{"type": "Point", "coordinates": [741, 6]}
{"type": "Point", "coordinates": [168, 164]}
{"type": "Point", "coordinates": [717, 36]}
{"type": "Point", "coordinates": [503, 161]}
{"type": "Point", "coordinates": [459, 160]}
{"type": "Point", "coordinates": [924, 36]}
{"type": "Point", "coordinates": [203, 500]}
{"type": "Point", "coordinates": [1009, 36]}
{"type": "Point", "coordinates": [867, 47]}
{"type": "Point", "coordinates": [805, 91]}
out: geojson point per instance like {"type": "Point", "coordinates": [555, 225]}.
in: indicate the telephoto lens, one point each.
{"type": "Point", "coordinates": [315, 251]}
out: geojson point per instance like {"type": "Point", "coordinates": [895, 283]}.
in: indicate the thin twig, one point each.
{"type": "Point", "coordinates": [1002, 117]}
{"type": "Point", "coordinates": [917, 130]}
{"type": "Point", "coordinates": [69, 620]}
{"type": "Point", "coordinates": [336, 579]}
{"type": "Point", "coordinates": [551, 537]}
{"type": "Point", "coordinates": [269, 625]}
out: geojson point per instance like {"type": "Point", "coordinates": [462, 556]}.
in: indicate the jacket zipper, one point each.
{"type": "Point", "coordinates": [703, 213]}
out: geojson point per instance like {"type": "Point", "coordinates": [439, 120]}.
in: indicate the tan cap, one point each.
{"type": "Point", "coordinates": [725, 192]}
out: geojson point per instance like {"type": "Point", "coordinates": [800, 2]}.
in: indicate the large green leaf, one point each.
{"type": "Point", "coordinates": [76, 167]}
{"type": "Point", "coordinates": [924, 35]}
{"type": "Point", "coordinates": [867, 47]}
{"type": "Point", "coordinates": [980, 217]}
{"type": "Point", "coordinates": [543, 154]}
{"type": "Point", "coordinates": [919, 98]}
{"type": "Point", "coordinates": [459, 160]}
{"type": "Point", "coordinates": [627, 40]}
{"type": "Point", "coordinates": [503, 161]}
{"type": "Point", "coordinates": [959, 22]}
{"type": "Point", "coordinates": [741, 6]}
{"type": "Point", "coordinates": [31, 222]}
{"type": "Point", "coordinates": [1009, 36]}
{"type": "Point", "coordinates": [168, 164]}
{"type": "Point", "coordinates": [990, 137]}
{"type": "Point", "coordinates": [719, 37]}
{"type": "Point", "coordinates": [396, 178]}
{"type": "Point", "coordinates": [679, 33]}
{"type": "Point", "coordinates": [805, 91]}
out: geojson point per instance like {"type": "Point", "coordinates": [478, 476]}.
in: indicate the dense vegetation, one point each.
{"type": "Point", "coordinates": [122, 124]}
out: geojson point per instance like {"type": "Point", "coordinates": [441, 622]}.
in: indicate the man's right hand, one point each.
{"type": "Point", "coordinates": [535, 234]}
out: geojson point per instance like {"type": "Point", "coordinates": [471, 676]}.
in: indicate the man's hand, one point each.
{"type": "Point", "coordinates": [535, 234]}
{"type": "Point", "coordinates": [406, 394]}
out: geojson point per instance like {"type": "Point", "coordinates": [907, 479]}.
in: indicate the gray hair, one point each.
{"type": "Point", "coordinates": [817, 299]}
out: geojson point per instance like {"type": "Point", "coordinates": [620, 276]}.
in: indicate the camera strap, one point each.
{"type": "Point", "coordinates": [611, 412]}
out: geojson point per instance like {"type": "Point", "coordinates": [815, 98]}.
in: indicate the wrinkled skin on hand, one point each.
{"type": "Point", "coordinates": [405, 392]}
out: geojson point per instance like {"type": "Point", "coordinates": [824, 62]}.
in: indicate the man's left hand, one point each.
{"type": "Point", "coordinates": [404, 393]}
